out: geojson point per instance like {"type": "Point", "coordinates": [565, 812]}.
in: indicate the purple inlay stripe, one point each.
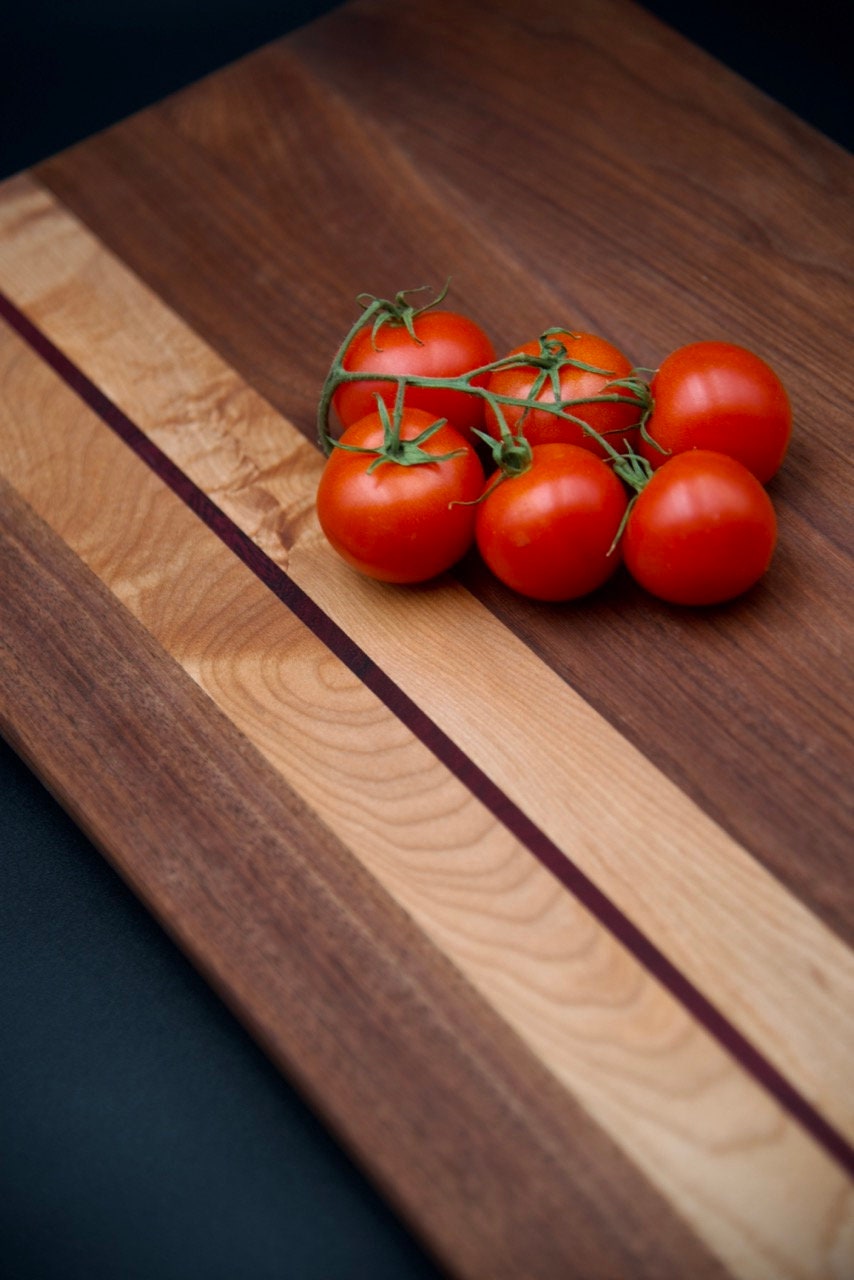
{"type": "Point", "coordinates": [453, 757]}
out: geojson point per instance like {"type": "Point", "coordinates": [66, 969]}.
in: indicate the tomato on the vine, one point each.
{"type": "Point", "coordinates": [614, 420]}
{"type": "Point", "coordinates": [548, 532]}
{"type": "Point", "coordinates": [389, 511]}
{"type": "Point", "coordinates": [446, 345]}
{"type": "Point", "coordinates": [701, 531]}
{"type": "Point", "coordinates": [719, 396]}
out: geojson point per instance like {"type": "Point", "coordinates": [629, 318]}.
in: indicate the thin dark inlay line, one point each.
{"type": "Point", "coordinates": [442, 746]}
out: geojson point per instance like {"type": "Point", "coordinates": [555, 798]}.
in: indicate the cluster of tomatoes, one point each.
{"type": "Point", "coordinates": [589, 465]}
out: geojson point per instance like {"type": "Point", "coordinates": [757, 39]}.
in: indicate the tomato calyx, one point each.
{"type": "Point", "coordinates": [511, 453]}
{"type": "Point", "coordinates": [397, 312]}
{"type": "Point", "coordinates": [633, 470]}
{"type": "Point", "coordinates": [553, 357]}
{"type": "Point", "coordinates": [513, 456]}
{"type": "Point", "coordinates": [403, 453]}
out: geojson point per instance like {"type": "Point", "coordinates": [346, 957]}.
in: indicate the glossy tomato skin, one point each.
{"type": "Point", "coordinates": [719, 396]}
{"type": "Point", "coordinates": [702, 531]}
{"type": "Point", "coordinates": [449, 344]}
{"type": "Point", "coordinates": [615, 422]}
{"type": "Point", "coordinates": [397, 524]}
{"type": "Point", "coordinates": [547, 532]}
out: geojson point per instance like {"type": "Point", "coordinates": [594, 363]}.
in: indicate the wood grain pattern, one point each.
{"type": "Point", "coordinates": [610, 811]}
{"type": "Point", "coordinates": [530, 949]}
{"type": "Point", "coordinates": [698, 1127]}
{"type": "Point", "coordinates": [505, 942]}
{"type": "Point", "coordinates": [671, 202]}
{"type": "Point", "coordinates": [328, 948]}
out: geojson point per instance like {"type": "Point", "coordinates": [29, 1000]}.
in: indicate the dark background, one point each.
{"type": "Point", "coordinates": [72, 66]}
{"type": "Point", "coordinates": [142, 1134]}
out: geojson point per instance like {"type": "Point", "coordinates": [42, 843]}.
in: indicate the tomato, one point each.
{"type": "Point", "coordinates": [715, 395]}
{"type": "Point", "coordinates": [547, 532]}
{"type": "Point", "coordinates": [614, 421]}
{"type": "Point", "coordinates": [397, 523]}
{"type": "Point", "coordinates": [702, 531]}
{"type": "Point", "coordinates": [448, 344]}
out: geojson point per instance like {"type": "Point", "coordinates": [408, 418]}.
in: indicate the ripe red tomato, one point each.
{"type": "Point", "coordinates": [547, 532]}
{"type": "Point", "coordinates": [701, 532]}
{"type": "Point", "coordinates": [715, 395]}
{"type": "Point", "coordinates": [396, 523]}
{"type": "Point", "coordinates": [448, 344]}
{"type": "Point", "coordinates": [614, 421]}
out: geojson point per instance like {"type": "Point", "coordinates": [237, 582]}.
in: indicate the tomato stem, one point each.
{"type": "Point", "coordinates": [553, 355]}
{"type": "Point", "coordinates": [336, 376]}
{"type": "Point", "coordinates": [636, 472]}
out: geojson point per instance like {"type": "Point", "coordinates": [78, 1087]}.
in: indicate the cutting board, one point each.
{"type": "Point", "coordinates": [545, 908]}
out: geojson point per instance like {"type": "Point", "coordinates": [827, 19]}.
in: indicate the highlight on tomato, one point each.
{"type": "Point", "coordinates": [399, 339]}
{"type": "Point", "coordinates": [563, 366]}
{"type": "Point", "coordinates": [394, 496]}
{"type": "Point", "coordinates": [549, 531]}
{"type": "Point", "coordinates": [701, 531]}
{"type": "Point", "coordinates": [718, 396]}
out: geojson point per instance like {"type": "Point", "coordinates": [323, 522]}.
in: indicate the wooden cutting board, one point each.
{"type": "Point", "coordinates": [546, 909]}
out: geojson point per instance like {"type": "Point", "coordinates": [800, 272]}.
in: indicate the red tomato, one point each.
{"type": "Point", "coordinates": [701, 532]}
{"type": "Point", "coordinates": [448, 345]}
{"type": "Point", "coordinates": [396, 523]}
{"type": "Point", "coordinates": [547, 532]}
{"type": "Point", "coordinates": [613, 421]}
{"type": "Point", "coordinates": [714, 395]}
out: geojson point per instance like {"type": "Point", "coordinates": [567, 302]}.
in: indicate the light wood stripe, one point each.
{"type": "Point", "coordinates": [762, 1195]}
{"type": "Point", "coordinates": [412, 1068]}
{"type": "Point", "coordinates": [776, 971]}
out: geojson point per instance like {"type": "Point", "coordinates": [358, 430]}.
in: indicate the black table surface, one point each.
{"type": "Point", "coordinates": [142, 1132]}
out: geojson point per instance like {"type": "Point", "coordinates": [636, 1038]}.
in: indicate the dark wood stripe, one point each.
{"type": "Point", "coordinates": [446, 750]}
{"type": "Point", "coordinates": [494, 1164]}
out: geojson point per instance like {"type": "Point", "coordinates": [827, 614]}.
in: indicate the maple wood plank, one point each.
{"type": "Point", "coordinates": [660, 200]}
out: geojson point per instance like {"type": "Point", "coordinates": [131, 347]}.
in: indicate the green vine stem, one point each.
{"type": "Point", "coordinates": [552, 357]}
{"type": "Point", "coordinates": [636, 472]}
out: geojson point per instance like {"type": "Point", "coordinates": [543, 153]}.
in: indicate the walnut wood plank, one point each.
{"type": "Point", "coordinates": [505, 1175]}
{"type": "Point", "coordinates": [719, 916]}
{"type": "Point", "coordinates": [706, 785]}
{"type": "Point", "coordinates": [698, 1127]}
{"type": "Point", "coordinates": [567, 164]}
